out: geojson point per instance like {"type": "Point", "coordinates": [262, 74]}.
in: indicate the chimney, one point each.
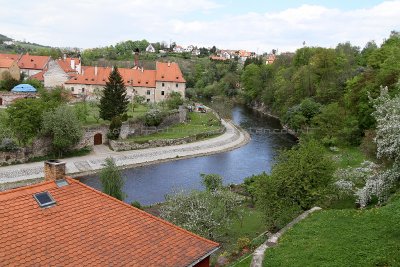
{"type": "Point", "coordinates": [73, 64]}
{"type": "Point", "coordinates": [95, 70]}
{"type": "Point", "coordinates": [54, 170]}
{"type": "Point", "coordinates": [65, 57]}
{"type": "Point", "coordinates": [79, 68]}
{"type": "Point", "coordinates": [169, 64]}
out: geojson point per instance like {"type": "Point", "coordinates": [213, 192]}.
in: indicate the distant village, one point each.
{"type": "Point", "coordinates": [87, 81]}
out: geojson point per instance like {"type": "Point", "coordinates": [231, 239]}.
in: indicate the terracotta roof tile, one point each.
{"type": "Point", "coordinates": [10, 56]}
{"type": "Point", "coordinates": [169, 72]}
{"type": "Point", "coordinates": [33, 62]}
{"type": "Point", "coordinates": [89, 228]}
{"type": "Point", "coordinates": [6, 62]}
{"type": "Point", "coordinates": [38, 76]}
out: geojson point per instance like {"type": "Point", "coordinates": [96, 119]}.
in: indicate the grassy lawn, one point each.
{"type": "Point", "coordinates": [198, 123]}
{"type": "Point", "coordinates": [347, 157]}
{"type": "Point", "coordinates": [92, 117]}
{"type": "Point", "coordinates": [342, 238]}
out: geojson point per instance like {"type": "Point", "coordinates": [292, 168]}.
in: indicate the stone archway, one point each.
{"type": "Point", "coordinates": [1, 101]}
{"type": "Point", "coordinates": [98, 139]}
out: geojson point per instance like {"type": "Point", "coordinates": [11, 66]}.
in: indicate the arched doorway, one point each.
{"type": "Point", "coordinates": [98, 139]}
{"type": "Point", "coordinates": [1, 101]}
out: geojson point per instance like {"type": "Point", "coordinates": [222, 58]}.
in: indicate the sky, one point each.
{"type": "Point", "coordinates": [258, 26]}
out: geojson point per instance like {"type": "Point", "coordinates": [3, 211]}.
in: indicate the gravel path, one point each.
{"type": "Point", "coordinates": [77, 166]}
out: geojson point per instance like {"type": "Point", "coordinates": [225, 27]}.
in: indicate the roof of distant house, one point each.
{"type": "Point", "coordinates": [131, 77]}
{"type": "Point", "coordinates": [217, 58]}
{"type": "Point", "coordinates": [33, 62]}
{"type": "Point", "coordinates": [65, 64]}
{"type": "Point", "coordinates": [84, 227]}
{"type": "Point", "coordinates": [24, 88]}
{"type": "Point", "coordinates": [10, 56]}
{"type": "Point", "coordinates": [169, 72]}
{"type": "Point", "coordinates": [6, 62]}
{"type": "Point", "coordinates": [38, 76]}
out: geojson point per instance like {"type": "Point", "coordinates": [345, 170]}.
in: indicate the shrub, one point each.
{"type": "Point", "coordinates": [7, 144]}
{"type": "Point", "coordinates": [243, 242]}
{"type": "Point", "coordinates": [136, 204]}
{"type": "Point", "coordinates": [153, 117]}
{"type": "Point", "coordinates": [115, 128]}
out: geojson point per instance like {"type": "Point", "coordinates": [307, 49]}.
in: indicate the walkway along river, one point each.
{"type": "Point", "coordinates": [149, 184]}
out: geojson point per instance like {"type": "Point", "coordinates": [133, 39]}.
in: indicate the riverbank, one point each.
{"type": "Point", "coordinates": [234, 137]}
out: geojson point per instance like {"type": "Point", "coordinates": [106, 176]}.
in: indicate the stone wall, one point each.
{"type": "Point", "coordinates": [39, 148]}
{"type": "Point", "coordinates": [89, 133]}
{"type": "Point", "coordinates": [123, 145]}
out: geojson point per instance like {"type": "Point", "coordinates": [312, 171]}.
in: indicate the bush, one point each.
{"type": "Point", "coordinates": [243, 242]}
{"type": "Point", "coordinates": [153, 117]}
{"type": "Point", "coordinates": [115, 128]}
{"type": "Point", "coordinates": [136, 204]}
{"type": "Point", "coordinates": [7, 144]}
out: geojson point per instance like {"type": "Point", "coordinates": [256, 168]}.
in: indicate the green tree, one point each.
{"type": "Point", "coordinates": [251, 81]}
{"type": "Point", "coordinates": [111, 179]}
{"type": "Point", "coordinates": [211, 182]}
{"type": "Point", "coordinates": [25, 118]}
{"type": "Point", "coordinates": [114, 100]}
{"type": "Point", "coordinates": [7, 82]}
{"type": "Point", "coordinates": [64, 128]}
{"type": "Point", "coordinates": [300, 179]}
{"type": "Point", "coordinates": [115, 128]}
{"type": "Point", "coordinates": [174, 100]}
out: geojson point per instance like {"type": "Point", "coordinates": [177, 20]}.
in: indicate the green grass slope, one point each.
{"type": "Point", "coordinates": [342, 238]}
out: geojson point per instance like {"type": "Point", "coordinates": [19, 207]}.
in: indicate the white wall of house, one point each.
{"type": "Point", "coordinates": [55, 75]}
{"type": "Point", "coordinates": [30, 72]}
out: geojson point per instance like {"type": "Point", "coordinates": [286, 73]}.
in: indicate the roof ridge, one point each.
{"type": "Point", "coordinates": [142, 211]}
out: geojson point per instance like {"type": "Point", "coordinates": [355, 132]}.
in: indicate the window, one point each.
{"type": "Point", "coordinates": [72, 89]}
{"type": "Point", "coordinates": [148, 92]}
{"type": "Point", "coordinates": [176, 85]}
{"type": "Point", "coordinates": [44, 199]}
{"type": "Point", "coordinates": [162, 92]}
{"type": "Point", "coordinates": [148, 100]}
{"type": "Point", "coordinates": [162, 84]}
{"type": "Point", "coordinates": [83, 90]}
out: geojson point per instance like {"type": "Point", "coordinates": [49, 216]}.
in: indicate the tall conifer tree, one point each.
{"type": "Point", "coordinates": [114, 101]}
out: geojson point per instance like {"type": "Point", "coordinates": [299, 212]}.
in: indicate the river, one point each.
{"type": "Point", "coordinates": [149, 184]}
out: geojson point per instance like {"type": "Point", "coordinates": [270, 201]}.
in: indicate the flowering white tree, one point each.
{"type": "Point", "coordinates": [387, 116]}
{"type": "Point", "coordinates": [206, 213]}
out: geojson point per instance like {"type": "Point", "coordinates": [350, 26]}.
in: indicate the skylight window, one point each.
{"type": "Point", "coordinates": [61, 183]}
{"type": "Point", "coordinates": [44, 199]}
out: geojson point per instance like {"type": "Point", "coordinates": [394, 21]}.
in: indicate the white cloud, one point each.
{"type": "Point", "coordinates": [90, 23]}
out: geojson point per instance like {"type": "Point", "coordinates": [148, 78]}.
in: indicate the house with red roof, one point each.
{"type": "Point", "coordinates": [153, 85]}
{"type": "Point", "coordinates": [8, 65]}
{"type": "Point", "coordinates": [62, 222]}
{"type": "Point", "coordinates": [31, 65]}
{"type": "Point", "coordinates": [60, 71]}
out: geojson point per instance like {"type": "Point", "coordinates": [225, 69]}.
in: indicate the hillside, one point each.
{"type": "Point", "coordinates": [342, 238]}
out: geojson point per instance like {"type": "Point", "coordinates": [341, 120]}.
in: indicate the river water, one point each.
{"type": "Point", "coordinates": [149, 184]}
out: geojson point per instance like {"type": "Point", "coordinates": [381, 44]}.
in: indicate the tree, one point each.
{"type": "Point", "coordinates": [211, 182]}
{"type": "Point", "coordinates": [7, 82]}
{"type": "Point", "coordinates": [115, 128]}
{"type": "Point", "coordinates": [114, 100]}
{"type": "Point", "coordinates": [300, 179]}
{"type": "Point", "coordinates": [111, 179]}
{"type": "Point", "coordinates": [25, 118]}
{"type": "Point", "coordinates": [137, 100]}
{"type": "Point", "coordinates": [252, 84]}
{"type": "Point", "coordinates": [207, 213]}
{"type": "Point", "coordinates": [174, 100]}
{"type": "Point", "coordinates": [63, 126]}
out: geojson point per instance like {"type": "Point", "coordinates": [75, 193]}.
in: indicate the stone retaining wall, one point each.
{"type": "Point", "coordinates": [123, 145]}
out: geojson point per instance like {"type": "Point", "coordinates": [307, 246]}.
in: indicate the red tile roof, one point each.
{"type": "Point", "coordinates": [169, 72]}
{"type": "Point", "coordinates": [38, 76]}
{"type": "Point", "coordinates": [65, 64]}
{"type": "Point", "coordinates": [89, 228]}
{"type": "Point", "coordinates": [33, 62]}
{"type": "Point", "coordinates": [10, 56]}
{"type": "Point", "coordinates": [131, 77]}
{"type": "Point", "coordinates": [6, 63]}
{"type": "Point", "coordinates": [217, 58]}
